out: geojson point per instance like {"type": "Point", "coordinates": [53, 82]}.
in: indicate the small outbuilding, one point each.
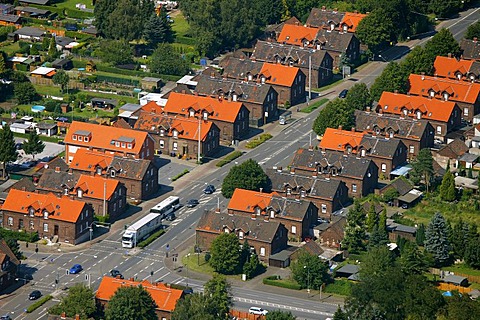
{"type": "Point", "coordinates": [150, 83]}
{"type": "Point", "coordinates": [102, 103]}
{"type": "Point", "coordinates": [347, 271]}
{"type": "Point", "coordinates": [64, 64]}
{"type": "Point", "coordinates": [456, 280]}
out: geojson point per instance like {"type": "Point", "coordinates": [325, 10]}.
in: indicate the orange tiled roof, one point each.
{"type": "Point", "coordinates": [87, 160]}
{"type": "Point", "coordinates": [103, 136]}
{"type": "Point", "coordinates": [152, 107]}
{"type": "Point", "coordinates": [221, 109]}
{"type": "Point", "coordinates": [59, 208]}
{"type": "Point", "coordinates": [433, 109]}
{"type": "Point", "coordinates": [463, 91]}
{"type": "Point", "coordinates": [352, 20]}
{"type": "Point", "coordinates": [96, 187]}
{"type": "Point", "coordinates": [447, 67]}
{"type": "Point", "coordinates": [279, 74]}
{"type": "Point", "coordinates": [247, 200]}
{"type": "Point", "coordinates": [335, 139]}
{"type": "Point", "coordinates": [165, 298]}
{"type": "Point", "coordinates": [295, 34]}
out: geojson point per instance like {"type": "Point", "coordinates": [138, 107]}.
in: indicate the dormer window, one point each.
{"type": "Point", "coordinates": [129, 145]}
{"type": "Point", "coordinates": [332, 26]}
{"type": "Point", "coordinates": [74, 137]}
{"type": "Point", "coordinates": [459, 76]}
{"type": "Point", "coordinates": [250, 77]}
{"type": "Point", "coordinates": [162, 132]}
{"type": "Point", "coordinates": [303, 193]}
{"type": "Point", "coordinates": [234, 97]}
{"type": "Point", "coordinates": [240, 235]}
{"type": "Point", "coordinates": [432, 93]}
{"type": "Point", "coordinates": [112, 173]}
{"type": "Point", "coordinates": [405, 111]}
{"type": "Point", "coordinates": [390, 133]}
{"type": "Point", "coordinates": [192, 112]}
{"type": "Point", "coordinates": [377, 130]}
{"type": "Point", "coordinates": [264, 79]}
{"type": "Point", "coordinates": [123, 145]}
{"type": "Point", "coordinates": [345, 28]}
{"type": "Point", "coordinates": [80, 138]}
{"type": "Point", "coordinates": [99, 170]}
{"type": "Point", "coordinates": [258, 211]}
{"type": "Point", "coordinates": [205, 115]}
{"type": "Point", "coordinates": [31, 211]}
{"type": "Point", "coordinates": [65, 191]}
{"type": "Point", "coordinates": [349, 149]}
{"type": "Point", "coordinates": [363, 152]}
{"type": "Point", "coordinates": [117, 144]}
{"type": "Point", "coordinates": [446, 96]}
{"type": "Point", "coordinates": [79, 193]}
{"type": "Point", "coordinates": [289, 191]}
{"type": "Point", "coordinates": [290, 64]}
{"type": "Point", "coordinates": [45, 214]}
{"type": "Point", "coordinates": [419, 115]}
{"type": "Point", "coordinates": [175, 133]}
{"type": "Point", "coordinates": [226, 230]}
{"type": "Point", "coordinates": [272, 213]}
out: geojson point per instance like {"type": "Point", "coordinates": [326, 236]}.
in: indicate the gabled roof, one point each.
{"type": "Point", "coordinates": [102, 137]}
{"type": "Point", "coordinates": [352, 19]}
{"type": "Point", "coordinates": [461, 91]}
{"type": "Point", "coordinates": [96, 187]}
{"type": "Point", "coordinates": [59, 208]}
{"type": "Point", "coordinates": [448, 67]}
{"type": "Point", "coordinates": [431, 109]}
{"type": "Point", "coordinates": [454, 149]}
{"type": "Point", "coordinates": [220, 109]}
{"type": "Point", "coordinates": [57, 181]}
{"type": "Point", "coordinates": [239, 68]}
{"type": "Point", "coordinates": [401, 184]}
{"type": "Point", "coordinates": [10, 18]}
{"type": "Point", "coordinates": [381, 146]}
{"type": "Point", "coordinates": [470, 49]}
{"type": "Point", "coordinates": [247, 200]}
{"type": "Point", "coordinates": [30, 31]}
{"type": "Point", "coordinates": [5, 251]}
{"type": "Point", "coordinates": [338, 140]}
{"type": "Point", "coordinates": [278, 74]}
{"type": "Point", "coordinates": [151, 107]}
{"type": "Point", "coordinates": [320, 17]}
{"type": "Point", "coordinates": [165, 298]}
{"type": "Point", "coordinates": [297, 34]}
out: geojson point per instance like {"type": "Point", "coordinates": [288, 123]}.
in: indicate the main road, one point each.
{"type": "Point", "coordinates": [107, 254]}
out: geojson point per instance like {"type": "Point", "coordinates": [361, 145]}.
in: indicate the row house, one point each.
{"type": "Point", "coordinates": [359, 174]}
{"type": "Point", "coordinates": [288, 81]}
{"type": "Point", "coordinates": [317, 62]}
{"type": "Point", "coordinates": [164, 296]}
{"type": "Point", "coordinates": [265, 236]}
{"type": "Point", "coordinates": [50, 215]}
{"type": "Point", "coordinates": [415, 134]}
{"type": "Point", "coordinates": [470, 49]}
{"type": "Point", "coordinates": [10, 20]}
{"type": "Point", "coordinates": [297, 215]}
{"type": "Point", "coordinates": [109, 140]}
{"type": "Point", "coordinates": [444, 116]}
{"type": "Point", "coordinates": [8, 266]}
{"type": "Point", "coordinates": [335, 43]}
{"type": "Point", "coordinates": [465, 94]}
{"type": "Point", "coordinates": [387, 153]}
{"type": "Point", "coordinates": [327, 194]}
{"type": "Point", "coordinates": [180, 136]}
{"type": "Point", "coordinates": [105, 196]}
{"type": "Point", "coordinates": [261, 100]}
{"type": "Point", "coordinates": [334, 20]}
{"type": "Point", "coordinates": [457, 69]}
{"type": "Point", "coordinates": [139, 176]}
{"type": "Point", "coordinates": [450, 154]}
{"type": "Point", "coordinates": [26, 11]}
{"type": "Point", "coordinates": [231, 117]}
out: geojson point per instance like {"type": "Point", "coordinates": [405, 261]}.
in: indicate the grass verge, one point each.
{"type": "Point", "coordinates": [229, 158]}
{"type": "Point", "coordinates": [258, 141]}
{"type": "Point", "coordinates": [150, 239]}
{"type": "Point", "coordinates": [339, 287]}
{"type": "Point", "coordinates": [196, 262]}
{"type": "Point", "coordinates": [181, 174]}
{"type": "Point", "coordinates": [38, 303]}
{"type": "Point", "coordinates": [279, 282]}
{"type": "Point", "coordinates": [314, 105]}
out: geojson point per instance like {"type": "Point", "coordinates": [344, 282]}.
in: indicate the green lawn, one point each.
{"type": "Point", "coordinates": [463, 268]}
{"type": "Point", "coordinates": [70, 4]}
{"type": "Point", "coordinates": [180, 25]}
{"type": "Point", "coordinates": [314, 105]}
{"type": "Point", "coordinates": [10, 48]}
{"type": "Point", "coordinates": [55, 91]}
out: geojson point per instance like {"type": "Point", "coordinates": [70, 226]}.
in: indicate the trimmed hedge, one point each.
{"type": "Point", "coordinates": [229, 158]}
{"type": "Point", "coordinates": [150, 239]}
{"type": "Point", "coordinates": [181, 174]}
{"type": "Point", "coordinates": [38, 303]}
{"type": "Point", "coordinates": [258, 141]}
{"type": "Point", "coordinates": [340, 287]}
{"type": "Point", "coordinates": [314, 105]}
{"type": "Point", "coordinates": [277, 282]}
{"type": "Point", "coordinates": [22, 236]}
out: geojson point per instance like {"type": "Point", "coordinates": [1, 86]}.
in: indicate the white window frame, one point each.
{"type": "Point", "coordinates": [162, 144]}
{"type": "Point", "coordinates": [175, 146]}
{"type": "Point", "coordinates": [439, 129]}
{"type": "Point", "coordinates": [324, 208]}
{"type": "Point", "coordinates": [262, 251]}
{"type": "Point", "coordinates": [10, 221]}
{"type": "Point", "coordinates": [294, 229]}
{"type": "Point", "coordinates": [411, 149]}
{"type": "Point", "coordinates": [354, 188]}
{"type": "Point", "coordinates": [384, 167]}
{"type": "Point", "coordinates": [45, 227]}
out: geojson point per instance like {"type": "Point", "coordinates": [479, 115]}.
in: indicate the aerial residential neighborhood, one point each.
{"type": "Point", "coordinates": [254, 160]}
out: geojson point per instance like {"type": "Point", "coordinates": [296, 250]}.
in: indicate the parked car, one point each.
{"type": "Point", "coordinates": [19, 146]}
{"type": "Point", "coordinates": [170, 217]}
{"type": "Point", "coordinates": [76, 269]}
{"type": "Point", "coordinates": [5, 317]}
{"type": "Point", "coordinates": [116, 274]}
{"type": "Point", "coordinates": [343, 94]}
{"type": "Point", "coordinates": [34, 295]}
{"type": "Point", "coordinates": [209, 189]}
{"type": "Point", "coordinates": [258, 311]}
{"type": "Point", "coordinates": [192, 203]}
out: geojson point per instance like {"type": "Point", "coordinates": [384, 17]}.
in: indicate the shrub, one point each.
{"type": "Point", "coordinates": [229, 158]}
{"type": "Point", "coordinates": [181, 174]}
{"type": "Point", "coordinates": [314, 105]}
{"type": "Point", "coordinates": [276, 281]}
{"type": "Point", "coordinates": [207, 257]}
{"type": "Point", "coordinates": [38, 303]}
{"type": "Point", "coordinates": [258, 141]}
{"type": "Point", "coordinates": [22, 236]}
{"type": "Point", "coordinates": [102, 219]}
{"type": "Point", "coordinates": [150, 239]}
{"type": "Point", "coordinates": [340, 287]}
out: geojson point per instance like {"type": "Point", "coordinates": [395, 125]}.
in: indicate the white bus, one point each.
{"type": "Point", "coordinates": [167, 206]}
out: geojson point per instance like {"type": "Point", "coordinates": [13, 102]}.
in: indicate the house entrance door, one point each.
{"type": "Point", "coordinates": [55, 230]}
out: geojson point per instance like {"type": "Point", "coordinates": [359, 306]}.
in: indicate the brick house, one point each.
{"type": "Point", "coordinates": [8, 266]}
{"type": "Point", "coordinates": [457, 69]}
{"type": "Point", "coordinates": [450, 153]}
{"type": "Point", "coordinates": [297, 215]}
{"type": "Point", "coordinates": [465, 94]}
{"type": "Point", "coordinates": [107, 139]}
{"type": "Point", "coordinates": [415, 134]}
{"type": "Point", "coordinates": [94, 190]}
{"type": "Point", "coordinates": [321, 60]}
{"type": "Point", "coordinates": [10, 20]}
{"type": "Point", "coordinates": [139, 176]}
{"type": "Point", "coordinates": [387, 153]}
{"type": "Point", "coordinates": [328, 195]}
{"type": "Point", "coordinates": [261, 100]}
{"type": "Point", "coordinates": [470, 49]}
{"type": "Point", "coordinates": [334, 19]}
{"type": "Point", "coordinates": [231, 117]}
{"type": "Point", "coordinates": [48, 214]}
{"type": "Point", "coordinates": [163, 295]}
{"type": "Point", "coordinates": [359, 174]}
{"type": "Point", "coordinates": [444, 116]}
{"type": "Point", "coordinates": [266, 236]}
{"type": "Point", "coordinates": [331, 234]}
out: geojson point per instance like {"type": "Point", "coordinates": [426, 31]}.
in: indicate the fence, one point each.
{"type": "Point", "coordinates": [451, 287]}
{"type": "Point", "coordinates": [470, 278]}
{"type": "Point", "coordinates": [243, 315]}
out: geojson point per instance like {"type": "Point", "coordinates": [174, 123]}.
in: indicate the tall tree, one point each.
{"type": "Point", "coordinates": [473, 31]}
{"type": "Point", "coordinates": [248, 175]}
{"type": "Point", "coordinates": [422, 300]}
{"type": "Point", "coordinates": [8, 152]}
{"type": "Point", "coordinates": [418, 61]}
{"type": "Point", "coordinates": [219, 290]}
{"type": "Point", "coordinates": [447, 188]}
{"type": "Point", "coordinates": [436, 240]}
{"type": "Point", "coordinates": [309, 271]}
{"type": "Point", "coordinates": [116, 52]}
{"type": "Point", "coordinates": [358, 97]}
{"type": "Point", "coordinates": [251, 266]}
{"type": "Point", "coordinates": [158, 29]}
{"type": "Point", "coordinates": [392, 78]}
{"type": "Point", "coordinates": [165, 60]}
{"type": "Point", "coordinates": [354, 232]}
{"type": "Point", "coordinates": [61, 78]}
{"type": "Point", "coordinates": [461, 307]}
{"type": "Point", "coordinates": [422, 167]}
{"type": "Point", "coordinates": [131, 303]}
{"type": "Point", "coordinates": [442, 44]}
{"type": "Point", "coordinates": [412, 260]}
{"type": "Point", "coordinates": [52, 50]}
{"type": "Point", "coordinates": [335, 113]}
{"type": "Point", "coordinates": [420, 236]}
{"type": "Point", "coordinates": [33, 145]}
{"type": "Point", "coordinates": [102, 10]}
{"type": "Point", "coordinates": [80, 300]}
{"type": "Point", "coordinates": [24, 92]}
{"type": "Point", "coordinates": [225, 251]}
{"type": "Point", "coordinates": [372, 218]}
{"type": "Point", "coordinates": [197, 306]}
{"type": "Point", "coordinates": [280, 315]}
{"type": "Point", "coordinates": [3, 65]}
{"type": "Point", "coordinates": [376, 30]}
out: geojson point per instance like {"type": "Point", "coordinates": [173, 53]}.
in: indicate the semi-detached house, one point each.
{"type": "Point", "coordinates": [334, 19]}
{"type": "Point", "coordinates": [457, 69]}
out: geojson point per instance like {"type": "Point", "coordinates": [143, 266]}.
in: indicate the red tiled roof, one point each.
{"type": "Point", "coordinates": [279, 74]}
{"type": "Point", "coordinates": [96, 186]}
{"type": "Point", "coordinates": [352, 20]}
{"type": "Point", "coordinates": [102, 137]}
{"type": "Point", "coordinates": [295, 34]}
{"type": "Point", "coordinates": [335, 139]}
{"type": "Point", "coordinates": [60, 208]}
{"type": "Point", "coordinates": [87, 160]}
{"type": "Point", "coordinates": [432, 109]}
{"type": "Point", "coordinates": [221, 109]}
{"type": "Point", "coordinates": [247, 200]}
{"type": "Point", "coordinates": [463, 91]}
{"type": "Point", "coordinates": [152, 107]}
{"type": "Point", "coordinates": [165, 298]}
{"type": "Point", "coordinates": [447, 67]}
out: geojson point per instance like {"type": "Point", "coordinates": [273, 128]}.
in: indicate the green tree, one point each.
{"type": "Point", "coordinates": [3, 66]}
{"type": "Point", "coordinates": [418, 61]}
{"type": "Point", "coordinates": [354, 232]}
{"type": "Point", "coordinates": [412, 260]}
{"type": "Point", "coordinates": [195, 306]}
{"type": "Point", "coordinates": [443, 8]}
{"type": "Point", "coordinates": [248, 175]}
{"type": "Point", "coordinates": [358, 97]}
{"type": "Point", "coordinates": [472, 251]}
{"type": "Point", "coordinates": [225, 251]}
{"type": "Point", "coordinates": [422, 167]}
{"type": "Point", "coordinates": [392, 78]}
{"type": "Point", "coordinates": [447, 188]}
{"type": "Point", "coordinates": [131, 303]}
{"type": "Point", "coordinates": [34, 49]}
{"type": "Point", "coordinates": [165, 60]}
{"type": "Point", "coordinates": [251, 266]}
{"type": "Point", "coordinates": [335, 113]}
{"type": "Point", "coordinates": [158, 29]}
{"type": "Point", "coordinates": [340, 314]}
{"type": "Point", "coordinates": [8, 152]}
{"type": "Point", "coordinates": [33, 145]}
{"type": "Point", "coordinates": [116, 52]}
{"type": "Point", "coordinates": [219, 290]}
{"type": "Point", "coordinates": [24, 92]}
{"type": "Point", "coordinates": [372, 218]}
{"type": "Point", "coordinates": [52, 50]}
{"type": "Point", "coordinates": [101, 11]}
{"type": "Point", "coordinates": [280, 315]}
{"type": "Point", "coordinates": [473, 31]}
{"type": "Point", "coordinates": [80, 300]}
{"type": "Point", "coordinates": [13, 244]}
{"type": "Point", "coordinates": [420, 236]}
{"type": "Point", "coordinates": [461, 307]}
{"type": "Point", "coordinates": [436, 240]}
{"type": "Point", "coordinates": [45, 44]}
{"type": "Point", "coordinates": [442, 44]}
{"type": "Point", "coordinates": [390, 195]}
{"type": "Point", "coordinates": [376, 30]}
{"type": "Point", "coordinates": [61, 78]}
{"type": "Point", "coordinates": [422, 300]}
{"type": "Point", "coordinates": [309, 271]}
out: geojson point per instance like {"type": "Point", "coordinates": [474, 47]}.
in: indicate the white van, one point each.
{"type": "Point", "coordinates": [257, 311]}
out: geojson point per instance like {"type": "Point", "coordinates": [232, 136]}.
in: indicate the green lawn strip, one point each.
{"type": "Point", "coordinates": [117, 75]}
{"type": "Point", "coordinates": [38, 303]}
{"type": "Point", "coordinates": [314, 105]}
{"type": "Point", "coordinates": [150, 239]}
{"type": "Point", "coordinates": [10, 48]}
{"type": "Point", "coordinates": [283, 283]}
{"type": "Point", "coordinates": [463, 268]}
{"type": "Point", "coordinates": [229, 158]}
{"type": "Point", "coordinates": [340, 287]}
{"type": "Point", "coordinates": [181, 174]}
{"type": "Point", "coordinates": [197, 263]}
{"type": "Point", "coordinates": [70, 4]}
{"type": "Point", "coordinates": [180, 25]}
{"type": "Point", "coordinates": [258, 141]}
{"type": "Point", "coordinates": [42, 137]}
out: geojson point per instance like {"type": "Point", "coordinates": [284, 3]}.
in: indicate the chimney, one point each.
{"type": "Point", "coordinates": [23, 189]}
{"type": "Point", "coordinates": [183, 91]}
{"type": "Point", "coordinates": [57, 169]}
{"type": "Point", "coordinates": [323, 8]}
{"type": "Point", "coordinates": [297, 23]}
{"type": "Point", "coordinates": [340, 127]}
{"type": "Point", "coordinates": [254, 217]}
{"type": "Point", "coordinates": [368, 109]}
{"type": "Point", "coordinates": [77, 317]}
{"type": "Point", "coordinates": [131, 279]}
{"type": "Point", "coordinates": [261, 190]}
{"type": "Point", "coordinates": [310, 148]}
{"type": "Point", "coordinates": [63, 315]}
{"type": "Point", "coordinates": [475, 39]}
{"type": "Point", "coordinates": [353, 129]}
{"type": "Point", "coordinates": [217, 210]}
{"type": "Point", "coordinates": [395, 91]}
{"type": "Point", "coordinates": [380, 110]}
{"type": "Point", "coordinates": [449, 55]}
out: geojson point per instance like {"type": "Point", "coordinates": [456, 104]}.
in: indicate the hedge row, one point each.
{"type": "Point", "coordinates": [78, 35]}
{"type": "Point", "coordinates": [110, 79]}
{"type": "Point", "coordinates": [314, 106]}
{"type": "Point", "coordinates": [38, 303]}
{"type": "Point", "coordinates": [22, 236]}
{"type": "Point", "coordinates": [258, 141]}
{"type": "Point", "coordinates": [181, 174]}
{"type": "Point", "coordinates": [276, 281]}
{"type": "Point", "coordinates": [150, 239]}
{"type": "Point", "coordinates": [229, 158]}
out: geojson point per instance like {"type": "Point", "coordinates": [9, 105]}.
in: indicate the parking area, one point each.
{"type": "Point", "coordinates": [170, 167]}
{"type": "Point", "coordinates": [51, 150]}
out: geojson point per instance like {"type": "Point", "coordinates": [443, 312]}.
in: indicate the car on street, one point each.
{"type": "Point", "coordinates": [5, 317]}
{"type": "Point", "coordinates": [257, 311]}
{"type": "Point", "coordinates": [192, 203]}
{"type": "Point", "coordinates": [170, 217]}
{"type": "Point", "coordinates": [34, 295]}
{"type": "Point", "coordinates": [209, 189]}
{"type": "Point", "coordinates": [343, 94]}
{"type": "Point", "coordinates": [76, 269]}
{"type": "Point", "coordinates": [116, 274]}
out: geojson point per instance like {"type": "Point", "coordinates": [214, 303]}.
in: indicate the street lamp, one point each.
{"type": "Point", "coordinates": [308, 278]}
{"type": "Point", "coordinates": [188, 260]}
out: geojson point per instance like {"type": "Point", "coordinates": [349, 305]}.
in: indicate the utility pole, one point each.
{"type": "Point", "coordinates": [310, 76]}
{"type": "Point", "coordinates": [199, 138]}
{"type": "Point", "coordinates": [104, 197]}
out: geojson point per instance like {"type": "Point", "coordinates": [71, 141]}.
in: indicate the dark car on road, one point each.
{"type": "Point", "coordinates": [116, 274]}
{"type": "Point", "coordinates": [343, 94]}
{"type": "Point", "coordinates": [76, 269]}
{"type": "Point", "coordinates": [192, 203]}
{"type": "Point", "coordinates": [34, 295]}
{"type": "Point", "coordinates": [170, 217]}
{"type": "Point", "coordinates": [209, 189]}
